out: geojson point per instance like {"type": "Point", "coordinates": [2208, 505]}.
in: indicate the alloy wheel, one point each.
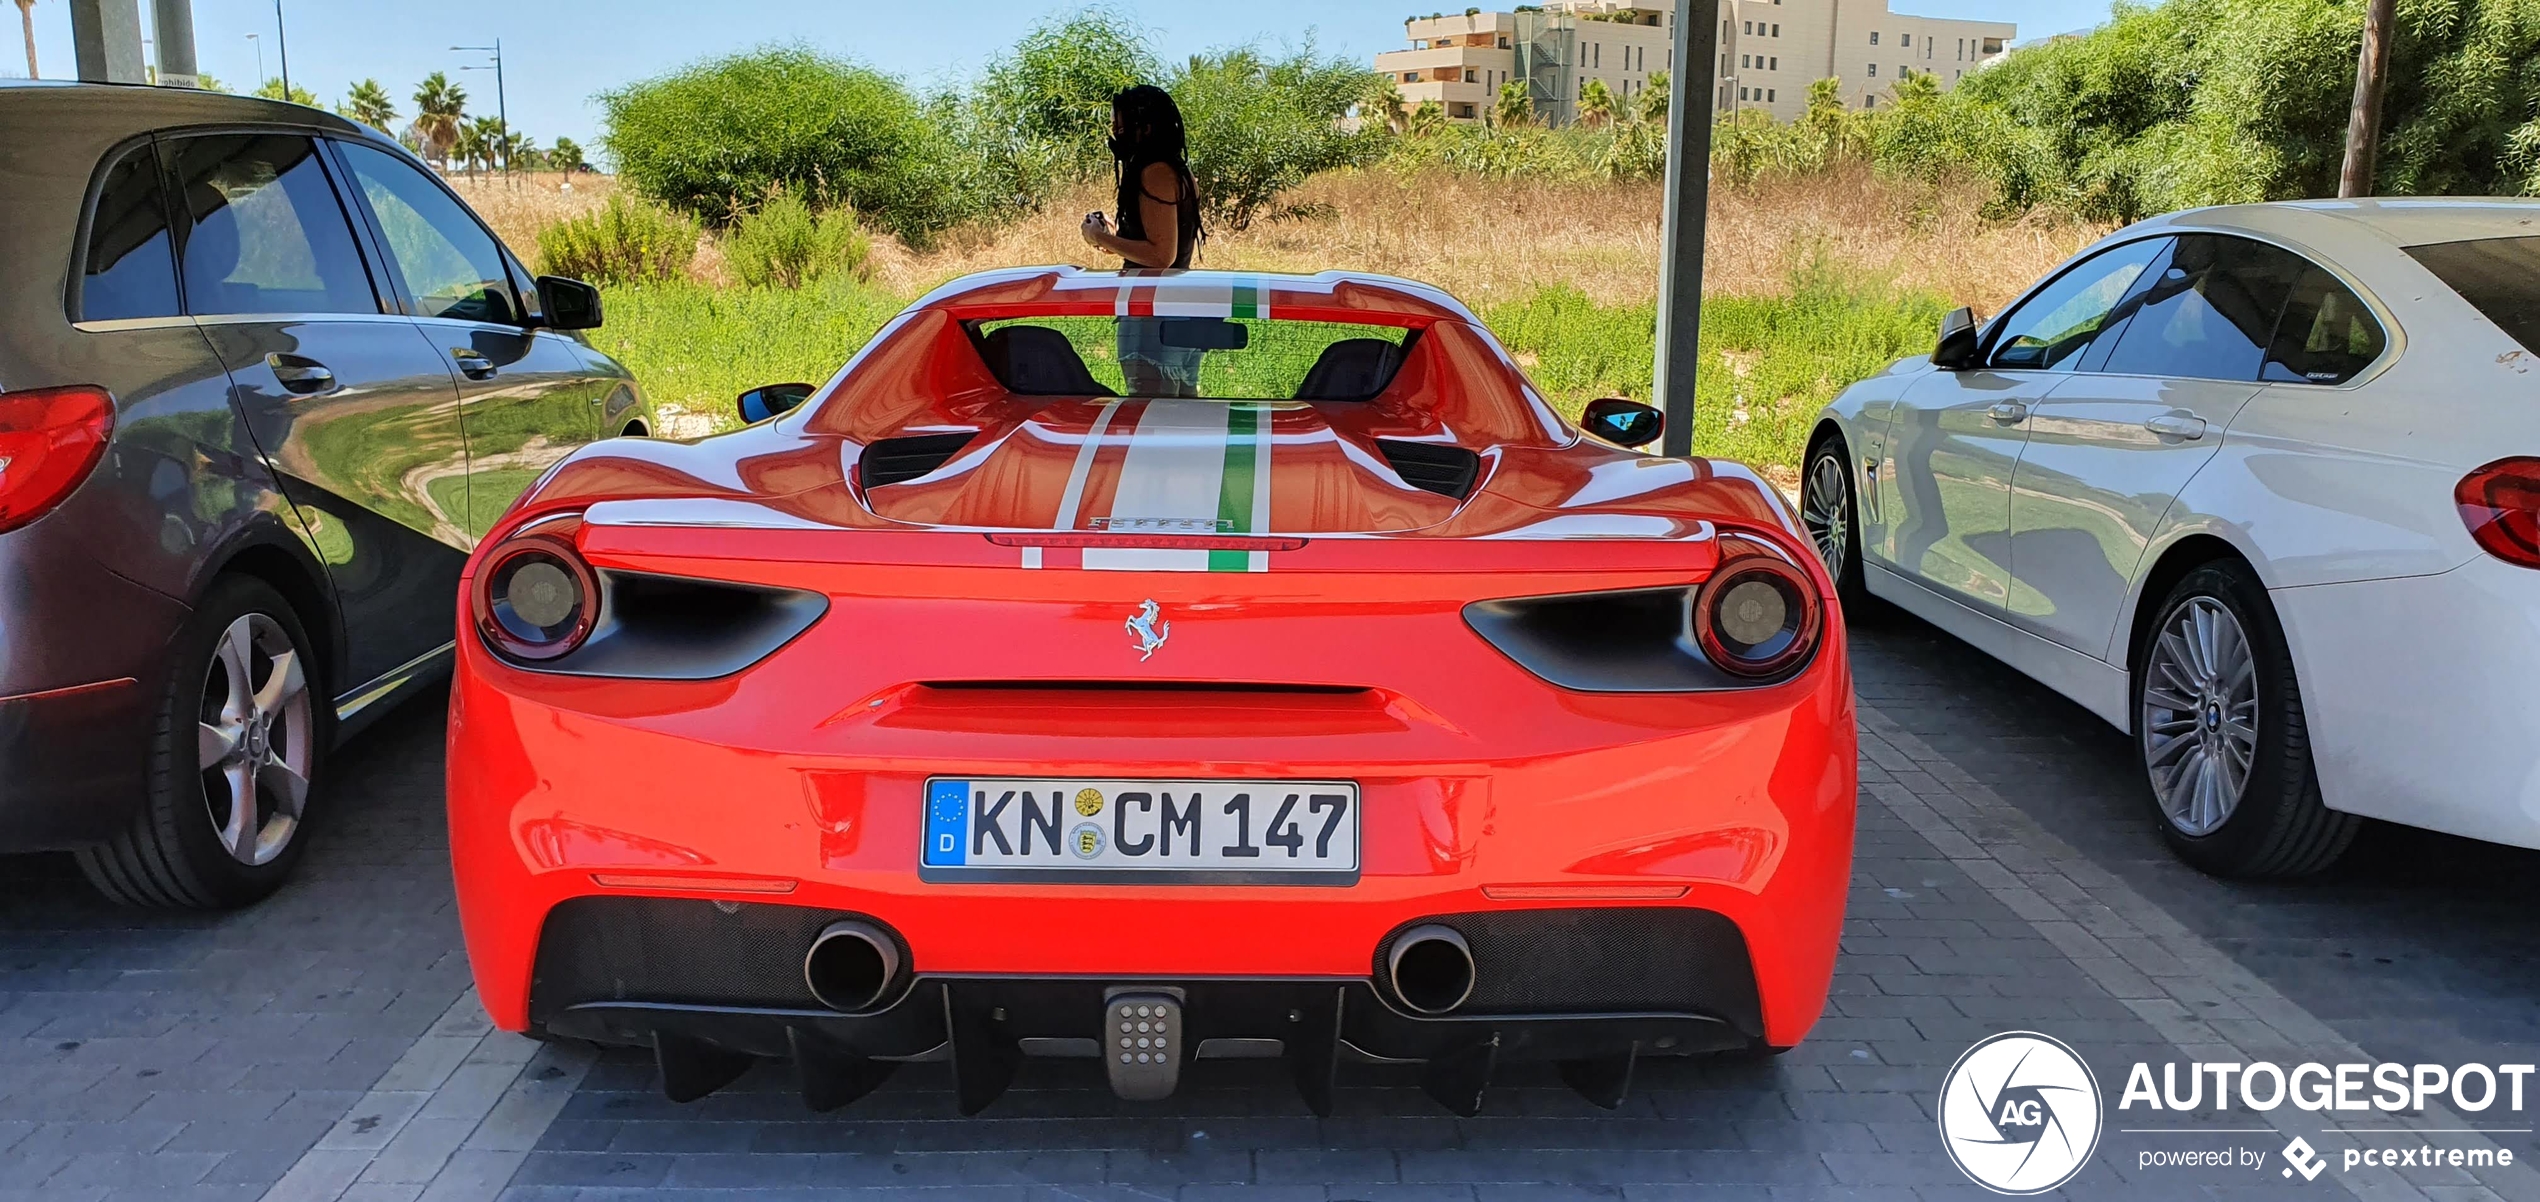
{"type": "Point", "coordinates": [1825, 513]}
{"type": "Point", "coordinates": [255, 739]}
{"type": "Point", "coordinates": [2200, 715]}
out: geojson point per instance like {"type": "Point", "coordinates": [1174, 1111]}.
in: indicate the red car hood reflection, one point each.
{"type": "Point", "coordinates": [1168, 467]}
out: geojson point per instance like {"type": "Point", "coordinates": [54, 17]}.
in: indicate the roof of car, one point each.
{"type": "Point", "coordinates": [2398, 220]}
{"type": "Point", "coordinates": [1199, 293]}
{"type": "Point", "coordinates": [153, 107]}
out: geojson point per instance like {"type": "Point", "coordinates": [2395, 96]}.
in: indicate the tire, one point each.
{"type": "Point", "coordinates": [1831, 515]}
{"type": "Point", "coordinates": [177, 851]}
{"type": "Point", "coordinates": [2207, 715]}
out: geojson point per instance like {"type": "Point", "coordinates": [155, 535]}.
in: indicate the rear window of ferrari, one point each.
{"type": "Point", "coordinates": [1235, 359]}
{"type": "Point", "coordinates": [2499, 276]}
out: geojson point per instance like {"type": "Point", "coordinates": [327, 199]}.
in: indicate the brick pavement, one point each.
{"type": "Point", "coordinates": [2005, 879]}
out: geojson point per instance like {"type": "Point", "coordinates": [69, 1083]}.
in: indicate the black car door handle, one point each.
{"type": "Point", "coordinates": [472, 364]}
{"type": "Point", "coordinates": [300, 374]}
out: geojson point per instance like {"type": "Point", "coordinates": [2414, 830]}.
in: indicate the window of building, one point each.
{"type": "Point", "coordinates": [1596, 55]}
{"type": "Point", "coordinates": [1773, 64]}
{"type": "Point", "coordinates": [1741, 61]}
{"type": "Point", "coordinates": [1869, 102]}
{"type": "Point", "coordinates": [1768, 92]}
{"type": "Point", "coordinates": [1472, 76]}
{"type": "Point", "coordinates": [1749, 27]}
{"type": "Point", "coordinates": [1410, 77]}
{"type": "Point", "coordinates": [1503, 41]}
{"type": "Point", "coordinates": [1874, 37]}
{"type": "Point", "coordinates": [1874, 70]}
{"type": "Point", "coordinates": [1777, 31]}
{"type": "Point", "coordinates": [1463, 111]}
{"type": "Point", "coordinates": [1907, 40]}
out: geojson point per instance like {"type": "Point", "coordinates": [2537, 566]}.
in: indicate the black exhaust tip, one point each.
{"type": "Point", "coordinates": [1431, 969]}
{"type": "Point", "coordinates": [851, 965]}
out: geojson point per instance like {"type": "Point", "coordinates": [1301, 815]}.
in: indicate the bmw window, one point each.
{"type": "Point", "coordinates": [2209, 312]}
{"type": "Point", "coordinates": [2499, 276]}
{"type": "Point", "coordinates": [2054, 325]}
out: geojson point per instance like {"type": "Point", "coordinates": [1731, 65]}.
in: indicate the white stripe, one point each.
{"type": "Point", "coordinates": [1083, 467]}
{"type": "Point", "coordinates": [1174, 469]}
{"type": "Point", "coordinates": [1195, 298]}
{"type": "Point", "coordinates": [1259, 561]}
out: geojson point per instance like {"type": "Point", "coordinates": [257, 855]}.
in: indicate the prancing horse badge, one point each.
{"type": "Point", "coordinates": [1149, 632]}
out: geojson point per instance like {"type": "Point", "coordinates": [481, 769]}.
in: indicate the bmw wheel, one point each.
{"type": "Point", "coordinates": [2218, 719]}
{"type": "Point", "coordinates": [1832, 518]}
{"type": "Point", "coordinates": [234, 753]}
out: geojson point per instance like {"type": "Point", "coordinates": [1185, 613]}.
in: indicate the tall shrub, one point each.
{"type": "Point", "coordinates": [1259, 126]}
{"type": "Point", "coordinates": [624, 242]}
{"type": "Point", "coordinates": [785, 244]}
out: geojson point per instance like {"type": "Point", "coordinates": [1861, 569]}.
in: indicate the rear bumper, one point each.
{"type": "Point", "coordinates": [81, 650]}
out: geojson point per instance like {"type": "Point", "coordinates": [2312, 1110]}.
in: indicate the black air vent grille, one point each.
{"type": "Point", "coordinates": [1445, 470]}
{"type": "Point", "coordinates": [894, 460]}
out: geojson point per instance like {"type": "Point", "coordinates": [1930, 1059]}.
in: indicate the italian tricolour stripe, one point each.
{"type": "Point", "coordinates": [1192, 467]}
{"type": "Point", "coordinates": [1207, 296]}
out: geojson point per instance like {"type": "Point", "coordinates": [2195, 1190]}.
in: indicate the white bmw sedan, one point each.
{"type": "Point", "coordinates": [2258, 484]}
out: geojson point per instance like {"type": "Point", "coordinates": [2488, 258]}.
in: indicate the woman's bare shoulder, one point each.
{"type": "Point", "coordinates": [1161, 182]}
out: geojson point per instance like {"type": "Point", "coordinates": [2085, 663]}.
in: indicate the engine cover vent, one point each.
{"type": "Point", "coordinates": [1436, 467]}
{"type": "Point", "coordinates": [896, 460]}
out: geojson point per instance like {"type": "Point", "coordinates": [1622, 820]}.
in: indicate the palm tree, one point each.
{"type": "Point", "coordinates": [1652, 100]}
{"type": "Point", "coordinates": [478, 143]}
{"type": "Point", "coordinates": [273, 90]}
{"type": "Point", "coordinates": [1425, 119]}
{"type": "Point", "coordinates": [1516, 105]}
{"type": "Point", "coordinates": [440, 107]}
{"type": "Point", "coordinates": [368, 103]}
{"type": "Point", "coordinates": [1596, 103]}
{"type": "Point", "coordinates": [566, 156]}
{"type": "Point", "coordinates": [26, 17]}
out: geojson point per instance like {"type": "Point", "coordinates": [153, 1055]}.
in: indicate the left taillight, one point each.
{"type": "Point", "coordinates": [1758, 616]}
{"type": "Point", "coordinates": [2500, 503]}
{"type": "Point", "coordinates": [50, 440]}
{"type": "Point", "coordinates": [535, 598]}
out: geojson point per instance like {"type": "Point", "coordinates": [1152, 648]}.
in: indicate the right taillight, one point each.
{"type": "Point", "coordinates": [2500, 503]}
{"type": "Point", "coordinates": [534, 598]}
{"type": "Point", "coordinates": [50, 440]}
{"type": "Point", "coordinates": [1757, 616]}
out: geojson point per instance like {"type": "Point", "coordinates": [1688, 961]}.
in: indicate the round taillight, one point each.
{"type": "Point", "coordinates": [1757, 617]}
{"type": "Point", "coordinates": [2500, 503]}
{"type": "Point", "coordinates": [50, 440]}
{"type": "Point", "coordinates": [535, 599]}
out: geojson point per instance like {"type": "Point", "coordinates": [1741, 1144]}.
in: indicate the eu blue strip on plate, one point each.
{"type": "Point", "coordinates": [947, 825]}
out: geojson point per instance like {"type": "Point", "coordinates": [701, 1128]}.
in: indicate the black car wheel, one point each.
{"type": "Point", "coordinates": [1832, 518]}
{"type": "Point", "coordinates": [2218, 718]}
{"type": "Point", "coordinates": [235, 752]}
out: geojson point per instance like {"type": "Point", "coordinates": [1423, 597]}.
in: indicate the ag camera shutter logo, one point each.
{"type": "Point", "coordinates": [2020, 1113]}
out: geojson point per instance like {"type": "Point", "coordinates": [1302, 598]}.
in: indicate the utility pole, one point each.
{"type": "Point", "coordinates": [2363, 126]}
{"type": "Point", "coordinates": [1690, 84]}
{"type": "Point", "coordinates": [172, 22]}
{"type": "Point", "coordinates": [502, 113]}
{"type": "Point", "coordinates": [106, 41]}
{"type": "Point", "coordinates": [282, 45]}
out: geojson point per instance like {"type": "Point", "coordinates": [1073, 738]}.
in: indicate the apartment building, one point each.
{"type": "Point", "coordinates": [1770, 51]}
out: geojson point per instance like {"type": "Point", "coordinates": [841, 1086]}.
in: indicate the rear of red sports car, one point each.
{"type": "Point", "coordinates": [1328, 698]}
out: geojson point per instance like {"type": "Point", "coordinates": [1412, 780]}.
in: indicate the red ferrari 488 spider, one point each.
{"type": "Point", "coordinates": [1154, 667]}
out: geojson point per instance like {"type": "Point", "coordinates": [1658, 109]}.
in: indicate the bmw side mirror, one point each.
{"type": "Point", "coordinates": [1623, 422]}
{"type": "Point", "coordinates": [1956, 350]}
{"type": "Point", "coordinates": [768, 400]}
{"type": "Point", "coordinates": [568, 304]}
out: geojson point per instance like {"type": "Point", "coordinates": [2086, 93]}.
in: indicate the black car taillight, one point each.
{"type": "Point", "coordinates": [1757, 617]}
{"type": "Point", "coordinates": [2500, 503]}
{"type": "Point", "coordinates": [535, 599]}
{"type": "Point", "coordinates": [50, 440]}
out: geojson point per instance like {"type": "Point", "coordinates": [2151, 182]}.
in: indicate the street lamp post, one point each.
{"type": "Point", "coordinates": [282, 46]}
{"type": "Point", "coordinates": [502, 114]}
{"type": "Point", "coordinates": [1690, 103]}
{"type": "Point", "coordinates": [259, 44]}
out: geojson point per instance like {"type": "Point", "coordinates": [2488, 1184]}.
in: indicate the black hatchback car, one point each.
{"type": "Point", "coordinates": [264, 379]}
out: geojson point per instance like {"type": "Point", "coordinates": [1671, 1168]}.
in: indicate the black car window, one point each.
{"type": "Point", "coordinates": [266, 232]}
{"type": "Point", "coordinates": [2210, 312]}
{"type": "Point", "coordinates": [2500, 277]}
{"type": "Point", "coordinates": [452, 267]}
{"type": "Point", "coordinates": [2054, 325]}
{"type": "Point", "coordinates": [130, 269]}
{"type": "Point", "coordinates": [2325, 336]}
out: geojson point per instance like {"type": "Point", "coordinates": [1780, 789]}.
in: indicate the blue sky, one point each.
{"type": "Point", "coordinates": [559, 52]}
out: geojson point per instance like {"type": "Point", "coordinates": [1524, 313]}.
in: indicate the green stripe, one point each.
{"type": "Point", "coordinates": [1247, 300]}
{"type": "Point", "coordinates": [1234, 496]}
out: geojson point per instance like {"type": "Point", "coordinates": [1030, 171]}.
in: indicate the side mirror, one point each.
{"type": "Point", "coordinates": [768, 400]}
{"type": "Point", "coordinates": [568, 304]}
{"type": "Point", "coordinates": [1623, 422]}
{"type": "Point", "coordinates": [1956, 350]}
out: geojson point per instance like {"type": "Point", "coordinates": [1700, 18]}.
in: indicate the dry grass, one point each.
{"type": "Point", "coordinates": [1484, 240]}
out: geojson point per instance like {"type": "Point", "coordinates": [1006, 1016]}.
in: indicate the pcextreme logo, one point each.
{"type": "Point", "coordinates": [2020, 1113]}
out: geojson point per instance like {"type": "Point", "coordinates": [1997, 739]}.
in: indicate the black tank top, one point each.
{"type": "Point", "coordinates": [1132, 225]}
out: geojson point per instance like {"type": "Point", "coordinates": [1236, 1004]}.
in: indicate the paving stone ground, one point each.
{"type": "Point", "coordinates": [325, 1046]}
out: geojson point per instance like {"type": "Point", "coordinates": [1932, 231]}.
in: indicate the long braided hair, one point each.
{"type": "Point", "coordinates": [1151, 132]}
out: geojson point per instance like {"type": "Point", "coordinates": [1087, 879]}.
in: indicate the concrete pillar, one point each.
{"type": "Point", "coordinates": [172, 26]}
{"type": "Point", "coordinates": [106, 38]}
{"type": "Point", "coordinates": [1686, 213]}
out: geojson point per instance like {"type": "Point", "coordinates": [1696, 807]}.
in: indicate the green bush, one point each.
{"type": "Point", "coordinates": [784, 244]}
{"type": "Point", "coordinates": [1055, 87]}
{"type": "Point", "coordinates": [1261, 126]}
{"type": "Point", "coordinates": [713, 138]}
{"type": "Point", "coordinates": [624, 242]}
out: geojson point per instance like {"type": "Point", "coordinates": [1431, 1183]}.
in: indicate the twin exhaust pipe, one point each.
{"type": "Point", "coordinates": [852, 966]}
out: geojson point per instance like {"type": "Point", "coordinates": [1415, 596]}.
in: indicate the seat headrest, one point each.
{"type": "Point", "coordinates": [1039, 361]}
{"type": "Point", "coordinates": [1352, 369]}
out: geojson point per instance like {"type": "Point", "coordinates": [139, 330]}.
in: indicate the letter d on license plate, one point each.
{"type": "Point", "coordinates": [1141, 832]}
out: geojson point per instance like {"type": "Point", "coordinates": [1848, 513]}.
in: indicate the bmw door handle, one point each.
{"type": "Point", "coordinates": [472, 364]}
{"type": "Point", "coordinates": [300, 374]}
{"type": "Point", "coordinates": [2009, 413]}
{"type": "Point", "coordinates": [2177, 425]}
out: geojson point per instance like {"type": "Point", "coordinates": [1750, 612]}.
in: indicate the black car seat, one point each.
{"type": "Point", "coordinates": [1039, 361]}
{"type": "Point", "coordinates": [1352, 369]}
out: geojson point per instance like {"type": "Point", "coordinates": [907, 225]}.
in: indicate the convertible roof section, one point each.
{"type": "Point", "coordinates": [1343, 296]}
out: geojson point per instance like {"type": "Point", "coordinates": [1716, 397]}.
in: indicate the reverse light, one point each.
{"type": "Point", "coordinates": [50, 440]}
{"type": "Point", "coordinates": [535, 598]}
{"type": "Point", "coordinates": [1757, 616]}
{"type": "Point", "coordinates": [2500, 503]}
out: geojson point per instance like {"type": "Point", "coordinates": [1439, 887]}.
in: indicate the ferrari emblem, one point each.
{"type": "Point", "coordinates": [1149, 632]}
{"type": "Point", "coordinates": [1088, 802]}
{"type": "Point", "coordinates": [1086, 839]}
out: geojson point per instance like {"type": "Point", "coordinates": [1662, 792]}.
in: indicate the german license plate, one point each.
{"type": "Point", "coordinates": [1269, 832]}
